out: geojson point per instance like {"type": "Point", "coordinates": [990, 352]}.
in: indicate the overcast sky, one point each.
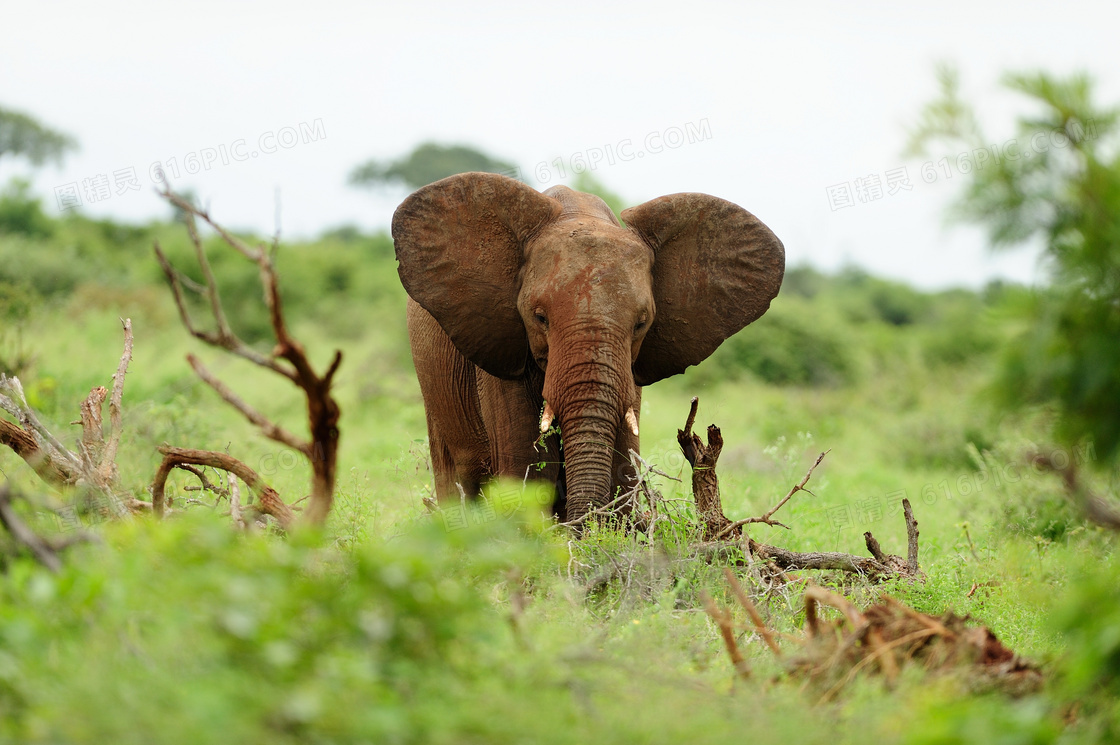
{"type": "Point", "coordinates": [782, 101]}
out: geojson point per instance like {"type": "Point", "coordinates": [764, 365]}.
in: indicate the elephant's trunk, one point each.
{"type": "Point", "coordinates": [588, 454]}
{"type": "Point", "coordinates": [588, 393]}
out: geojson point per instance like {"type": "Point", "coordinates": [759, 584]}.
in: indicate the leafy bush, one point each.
{"type": "Point", "coordinates": [22, 213]}
{"type": "Point", "coordinates": [793, 344]}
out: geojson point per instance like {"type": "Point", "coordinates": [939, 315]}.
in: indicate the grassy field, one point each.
{"type": "Point", "coordinates": [391, 627]}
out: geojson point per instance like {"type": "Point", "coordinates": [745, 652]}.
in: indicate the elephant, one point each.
{"type": "Point", "coordinates": [530, 309]}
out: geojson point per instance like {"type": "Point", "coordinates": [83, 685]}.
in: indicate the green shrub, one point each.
{"type": "Point", "coordinates": [793, 344]}
{"type": "Point", "coordinates": [21, 213]}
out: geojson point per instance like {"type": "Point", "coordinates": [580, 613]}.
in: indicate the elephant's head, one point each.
{"type": "Point", "coordinates": [518, 278]}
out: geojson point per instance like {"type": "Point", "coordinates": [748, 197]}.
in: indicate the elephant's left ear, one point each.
{"type": "Point", "coordinates": [716, 268]}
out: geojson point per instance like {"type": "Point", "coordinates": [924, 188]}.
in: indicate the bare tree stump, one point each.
{"type": "Point", "coordinates": [705, 483]}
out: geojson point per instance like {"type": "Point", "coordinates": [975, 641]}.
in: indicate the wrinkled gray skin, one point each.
{"type": "Point", "coordinates": [518, 298]}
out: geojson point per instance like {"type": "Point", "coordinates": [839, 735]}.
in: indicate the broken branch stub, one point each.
{"type": "Point", "coordinates": [705, 483]}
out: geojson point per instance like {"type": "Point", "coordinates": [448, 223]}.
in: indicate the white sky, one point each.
{"type": "Point", "coordinates": [797, 98]}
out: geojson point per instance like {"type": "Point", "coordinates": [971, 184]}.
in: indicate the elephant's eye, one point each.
{"type": "Point", "coordinates": [639, 326]}
{"type": "Point", "coordinates": [540, 318]}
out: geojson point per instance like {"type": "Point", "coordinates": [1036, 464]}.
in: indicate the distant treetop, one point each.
{"type": "Point", "coordinates": [23, 136]}
{"type": "Point", "coordinates": [428, 162]}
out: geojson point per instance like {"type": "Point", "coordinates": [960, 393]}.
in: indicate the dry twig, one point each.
{"type": "Point", "coordinates": [752, 611]}
{"type": "Point", "coordinates": [768, 517]}
{"type": "Point", "coordinates": [722, 618]}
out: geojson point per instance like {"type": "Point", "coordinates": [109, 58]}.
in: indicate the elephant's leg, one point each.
{"type": "Point", "coordinates": [511, 410]}
{"type": "Point", "coordinates": [457, 438]}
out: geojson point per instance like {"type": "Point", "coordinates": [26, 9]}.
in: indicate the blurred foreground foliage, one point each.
{"type": "Point", "coordinates": [294, 640]}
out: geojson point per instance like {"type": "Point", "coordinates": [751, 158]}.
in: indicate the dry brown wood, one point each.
{"type": "Point", "coordinates": [722, 618]}
{"type": "Point", "coordinates": [93, 438]}
{"type": "Point", "coordinates": [108, 465]}
{"type": "Point", "coordinates": [268, 501]}
{"type": "Point", "coordinates": [911, 538]}
{"type": "Point", "coordinates": [787, 559]}
{"type": "Point", "coordinates": [874, 548]}
{"type": "Point", "coordinates": [94, 465]}
{"type": "Point", "coordinates": [13, 400]}
{"type": "Point", "coordinates": [705, 483]}
{"type": "Point", "coordinates": [752, 611]}
{"type": "Point", "coordinates": [24, 444]}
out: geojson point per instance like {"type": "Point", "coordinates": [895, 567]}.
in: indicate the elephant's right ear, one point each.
{"type": "Point", "coordinates": [460, 244]}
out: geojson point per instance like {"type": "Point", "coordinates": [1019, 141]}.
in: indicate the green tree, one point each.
{"type": "Point", "coordinates": [428, 162]}
{"type": "Point", "coordinates": [23, 136]}
{"type": "Point", "coordinates": [1057, 181]}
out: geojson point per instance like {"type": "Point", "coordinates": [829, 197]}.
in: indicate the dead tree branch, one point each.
{"type": "Point", "coordinates": [268, 501]}
{"type": "Point", "coordinates": [705, 483]}
{"type": "Point", "coordinates": [205, 484]}
{"type": "Point", "coordinates": [911, 538]}
{"type": "Point", "coordinates": [722, 618]}
{"type": "Point", "coordinates": [287, 358]}
{"type": "Point", "coordinates": [27, 447]}
{"type": "Point", "coordinates": [13, 401]}
{"type": "Point", "coordinates": [94, 464]}
{"type": "Point", "coordinates": [108, 465]}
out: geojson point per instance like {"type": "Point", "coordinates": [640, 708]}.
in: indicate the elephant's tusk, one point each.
{"type": "Point", "coordinates": [632, 420]}
{"type": "Point", "coordinates": [546, 418]}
